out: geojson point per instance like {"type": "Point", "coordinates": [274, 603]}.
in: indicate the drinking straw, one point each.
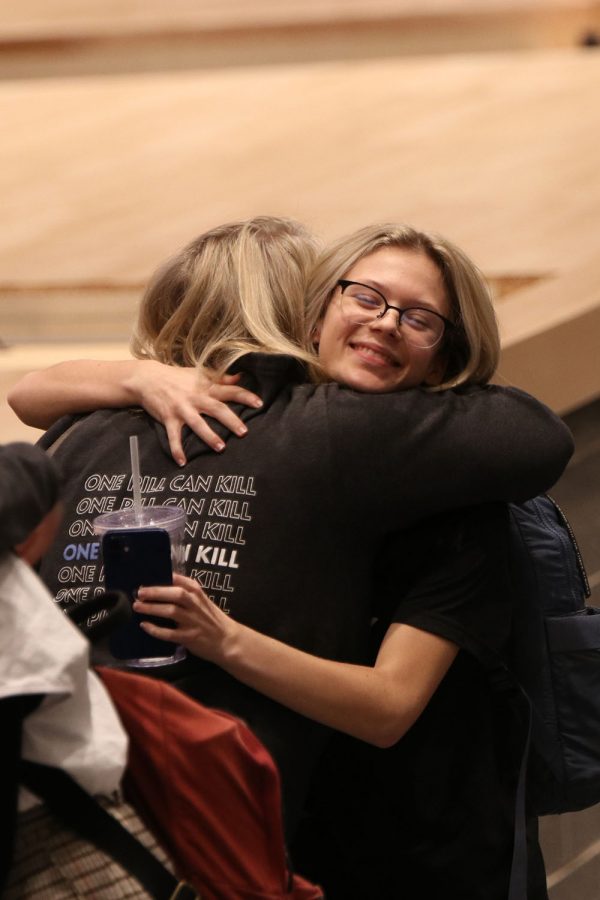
{"type": "Point", "coordinates": [135, 474]}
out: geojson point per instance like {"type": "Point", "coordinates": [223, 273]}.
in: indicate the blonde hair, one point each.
{"type": "Point", "coordinates": [237, 288]}
{"type": "Point", "coordinates": [471, 349]}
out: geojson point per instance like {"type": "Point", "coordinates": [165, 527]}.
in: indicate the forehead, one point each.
{"type": "Point", "coordinates": [402, 274]}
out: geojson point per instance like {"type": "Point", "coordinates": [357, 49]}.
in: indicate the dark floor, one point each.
{"type": "Point", "coordinates": [572, 842]}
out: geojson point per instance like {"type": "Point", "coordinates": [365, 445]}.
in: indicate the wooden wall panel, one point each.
{"type": "Point", "coordinates": [102, 178]}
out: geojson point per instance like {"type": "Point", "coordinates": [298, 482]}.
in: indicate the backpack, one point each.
{"type": "Point", "coordinates": [554, 664]}
{"type": "Point", "coordinates": [555, 657]}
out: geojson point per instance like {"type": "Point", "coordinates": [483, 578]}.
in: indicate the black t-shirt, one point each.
{"type": "Point", "coordinates": [433, 816]}
{"type": "Point", "coordinates": [284, 526]}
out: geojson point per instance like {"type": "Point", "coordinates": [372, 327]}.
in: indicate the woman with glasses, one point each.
{"type": "Point", "coordinates": [291, 524]}
{"type": "Point", "coordinates": [420, 290]}
{"type": "Point", "coordinates": [423, 803]}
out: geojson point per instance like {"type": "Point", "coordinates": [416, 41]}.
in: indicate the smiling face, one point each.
{"type": "Point", "coordinates": [374, 356]}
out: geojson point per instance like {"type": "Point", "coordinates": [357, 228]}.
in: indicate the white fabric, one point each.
{"type": "Point", "coordinates": [76, 727]}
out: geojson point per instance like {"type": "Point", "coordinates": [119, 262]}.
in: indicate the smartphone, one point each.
{"type": "Point", "coordinates": [134, 557]}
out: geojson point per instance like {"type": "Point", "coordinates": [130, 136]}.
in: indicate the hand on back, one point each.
{"type": "Point", "coordinates": [178, 396]}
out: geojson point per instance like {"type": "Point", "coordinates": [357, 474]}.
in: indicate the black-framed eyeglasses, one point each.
{"type": "Point", "coordinates": [420, 327]}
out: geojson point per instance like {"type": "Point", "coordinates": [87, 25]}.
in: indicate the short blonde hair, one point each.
{"type": "Point", "coordinates": [472, 348]}
{"type": "Point", "coordinates": [235, 289]}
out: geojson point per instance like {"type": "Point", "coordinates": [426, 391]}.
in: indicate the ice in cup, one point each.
{"type": "Point", "coordinates": [129, 644]}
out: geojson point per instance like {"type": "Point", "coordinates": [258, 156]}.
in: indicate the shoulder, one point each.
{"type": "Point", "coordinates": [450, 576]}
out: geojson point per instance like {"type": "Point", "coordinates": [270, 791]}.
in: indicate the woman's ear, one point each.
{"type": "Point", "coordinates": [316, 333]}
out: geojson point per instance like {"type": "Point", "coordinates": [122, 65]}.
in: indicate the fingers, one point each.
{"type": "Point", "coordinates": [180, 593]}
{"type": "Point", "coordinates": [223, 414]}
{"type": "Point", "coordinates": [163, 634]}
{"type": "Point", "coordinates": [199, 625]}
{"type": "Point", "coordinates": [173, 429]}
{"type": "Point", "coordinates": [161, 610]}
{"type": "Point", "coordinates": [184, 396]}
{"type": "Point", "coordinates": [184, 581]}
{"type": "Point", "coordinates": [203, 430]}
{"type": "Point", "coordinates": [163, 594]}
{"type": "Point", "coordinates": [231, 393]}
{"type": "Point", "coordinates": [194, 419]}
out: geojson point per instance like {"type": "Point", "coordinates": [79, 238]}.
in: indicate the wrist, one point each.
{"type": "Point", "coordinates": [135, 378]}
{"type": "Point", "coordinates": [231, 645]}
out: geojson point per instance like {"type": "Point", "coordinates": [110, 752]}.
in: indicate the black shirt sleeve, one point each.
{"type": "Point", "coordinates": [449, 576]}
{"type": "Point", "coordinates": [404, 457]}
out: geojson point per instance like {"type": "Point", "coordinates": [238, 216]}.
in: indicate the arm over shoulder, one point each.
{"type": "Point", "coordinates": [413, 454]}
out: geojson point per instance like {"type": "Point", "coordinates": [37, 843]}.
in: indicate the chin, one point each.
{"type": "Point", "coordinates": [370, 383]}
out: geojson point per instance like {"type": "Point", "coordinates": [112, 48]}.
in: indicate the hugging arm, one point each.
{"type": "Point", "coordinates": [376, 704]}
{"type": "Point", "coordinates": [428, 452]}
{"type": "Point", "coordinates": [175, 396]}
{"type": "Point", "coordinates": [444, 582]}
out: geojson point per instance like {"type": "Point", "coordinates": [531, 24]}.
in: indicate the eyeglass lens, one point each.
{"type": "Point", "coordinates": [419, 327]}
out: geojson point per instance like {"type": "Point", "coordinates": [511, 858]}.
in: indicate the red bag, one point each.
{"type": "Point", "coordinates": [208, 790]}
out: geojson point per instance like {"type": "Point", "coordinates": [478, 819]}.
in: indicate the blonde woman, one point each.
{"type": "Point", "coordinates": [287, 526]}
{"type": "Point", "coordinates": [177, 341]}
{"type": "Point", "coordinates": [205, 306]}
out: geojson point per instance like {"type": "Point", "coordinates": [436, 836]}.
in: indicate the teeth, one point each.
{"type": "Point", "coordinates": [376, 354]}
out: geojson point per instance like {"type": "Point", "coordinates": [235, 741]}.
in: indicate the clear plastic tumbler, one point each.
{"type": "Point", "coordinates": [129, 644]}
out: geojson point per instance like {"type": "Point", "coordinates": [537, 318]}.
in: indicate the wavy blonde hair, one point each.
{"type": "Point", "coordinates": [471, 350]}
{"type": "Point", "coordinates": [235, 289]}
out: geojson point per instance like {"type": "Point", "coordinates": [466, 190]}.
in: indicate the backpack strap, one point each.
{"type": "Point", "coordinates": [12, 710]}
{"type": "Point", "coordinates": [518, 872]}
{"type": "Point", "coordinates": [79, 811]}
{"type": "Point", "coordinates": [504, 683]}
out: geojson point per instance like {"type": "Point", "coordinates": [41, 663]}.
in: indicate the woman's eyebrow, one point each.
{"type": "Point", "coordinates": [372, 282]}
{"type": "Point", "coordinates": [385, 290]}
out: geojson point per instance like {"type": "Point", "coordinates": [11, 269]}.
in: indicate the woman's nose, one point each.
{"type": "Point", "coordinates": [388, 322]}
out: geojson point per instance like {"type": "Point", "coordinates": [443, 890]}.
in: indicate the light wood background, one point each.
{"type": "Point", "coordinates": [103, 176]}
{"type": "Point", "coordinates": [128, 35]}
{"type": "Point", "coordinates": [103, 173]}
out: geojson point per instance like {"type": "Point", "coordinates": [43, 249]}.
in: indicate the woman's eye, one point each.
{"type": "Point", "coordinates": [417, 319]}
{"type": "Point", "coordinates": [367, 300]}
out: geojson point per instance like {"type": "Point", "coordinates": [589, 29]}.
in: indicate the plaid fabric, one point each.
{"type": "Point", "coordinates": [53, 863]}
